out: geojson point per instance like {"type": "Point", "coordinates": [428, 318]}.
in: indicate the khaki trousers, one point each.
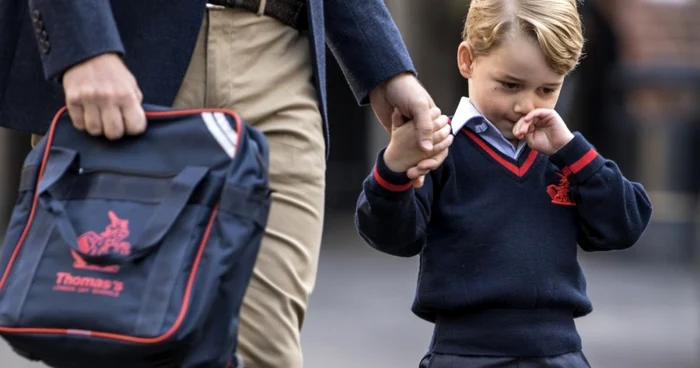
{"type": "Point", "coordinates": [262, 69]}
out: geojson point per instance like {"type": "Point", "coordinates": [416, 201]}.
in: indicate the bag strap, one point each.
{"type": "Point", "coordinates": [179, 192]}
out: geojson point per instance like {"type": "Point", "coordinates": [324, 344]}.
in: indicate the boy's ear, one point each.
{"type": "Point", "coordinates": [465, 61]}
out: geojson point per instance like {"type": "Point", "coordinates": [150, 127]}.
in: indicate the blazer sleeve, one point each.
{"type": "Point", "coordinates": [71, 31]}
{"type": "Point", "coordinates": [367, 44]}
{"type": "Point", "coordinates": [9, 35]}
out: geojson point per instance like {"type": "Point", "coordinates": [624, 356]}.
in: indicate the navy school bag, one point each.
{"type": "Point", "coordinates": [135, 253]}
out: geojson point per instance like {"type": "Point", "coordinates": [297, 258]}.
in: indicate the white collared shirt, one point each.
{"type": "Point", "coordinates": [468, 115]}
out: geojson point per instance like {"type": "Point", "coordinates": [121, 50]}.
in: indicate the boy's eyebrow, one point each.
{"type": "Point", "coordinates": [518, 80]}
{"type": "Point", "coordinates": [552, 84]}
{"type": "Point", "coordinates": [514, 79]}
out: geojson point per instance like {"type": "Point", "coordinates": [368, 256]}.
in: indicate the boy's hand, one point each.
{"type": "Point", "coordinates": [543, 130]}
{"type": "Point", "coordinates": [404, 152]}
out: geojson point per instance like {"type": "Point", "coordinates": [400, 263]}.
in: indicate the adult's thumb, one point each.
{"type": "Point", "coordinates": [396, 119]}
{"type": "Point", "coordinates": [424, 128]}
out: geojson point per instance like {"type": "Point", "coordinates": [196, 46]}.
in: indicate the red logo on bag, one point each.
{"type": "Point", "coordinates": [67, 282]}
{"type": "Point", "coordinates": [111, 240]}
{"type": "Point", "coordinates": [560, 192]}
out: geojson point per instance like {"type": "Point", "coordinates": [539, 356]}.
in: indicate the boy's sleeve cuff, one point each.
{"type": "Point", "coordinates": [389, 180]}
{"type": "Point", "coordinates": [578, 158]}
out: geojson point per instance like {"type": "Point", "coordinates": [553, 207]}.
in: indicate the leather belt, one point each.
{"type": "Point", "coordinates": [289, 12]}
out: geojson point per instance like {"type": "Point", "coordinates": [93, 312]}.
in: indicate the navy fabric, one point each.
{"type": "Point", "coordinates": [498, 241]}
{"type": "Point", "coordinates": [156, 39]}
{"type": "Point", "coordinates": [94, 279]}
{"type": "Point", "coordinates": [569, 360]}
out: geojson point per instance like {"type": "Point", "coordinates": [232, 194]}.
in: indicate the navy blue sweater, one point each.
{"type": "Point", "coordinates": [498, 241]}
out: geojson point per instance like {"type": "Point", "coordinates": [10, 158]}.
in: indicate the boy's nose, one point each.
{"type": "Point", "coordinates": [524, 106]}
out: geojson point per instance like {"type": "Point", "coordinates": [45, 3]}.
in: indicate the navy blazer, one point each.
{"type": "Point", "coordinates": [40, 39]}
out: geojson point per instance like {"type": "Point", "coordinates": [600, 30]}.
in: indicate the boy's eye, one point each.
{"type": "Point", "coordinates": [548, 90]}
{"type": "Point", "coordinates": [509, 85]}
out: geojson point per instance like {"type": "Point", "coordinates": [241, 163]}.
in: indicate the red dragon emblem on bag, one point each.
{"type": "Point", "coordinates": [111, 240]}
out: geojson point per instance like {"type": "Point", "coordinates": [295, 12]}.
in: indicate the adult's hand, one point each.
{"type": "Point", "coordinates": [404, 92]}
{"type": "Point", "coordinates": [103, 97]}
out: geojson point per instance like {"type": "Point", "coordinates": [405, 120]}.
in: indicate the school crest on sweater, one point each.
{"type": "Point", "coordinates": [560, 193]}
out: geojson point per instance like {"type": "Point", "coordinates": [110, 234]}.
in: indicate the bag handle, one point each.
{"type": "Point", "coordinates": [179, 192]}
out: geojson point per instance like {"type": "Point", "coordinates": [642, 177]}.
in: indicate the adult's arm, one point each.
{"type": "Point", "coordinates": [367, 44]}
{"type": "Point", "coordinates": [69, 32]}
{"type": "Point", "coordinates": [80, 47]}
{"type": "Point", "coordinates": [9, 35]}
{"type": "Point", "coordinates": [371, 53]}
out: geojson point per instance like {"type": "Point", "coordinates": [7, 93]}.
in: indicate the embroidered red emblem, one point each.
{"type": "Point", "coordinates": [111, 240]}
{"type": "Point", "coordinates": [560, 192]}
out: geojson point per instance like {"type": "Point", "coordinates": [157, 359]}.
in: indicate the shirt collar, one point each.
{"type": "Point", "coordinates": [468, 115]}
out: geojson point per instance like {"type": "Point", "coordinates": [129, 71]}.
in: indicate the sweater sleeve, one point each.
{"type": "Point", "coordinates": [392, 216]}
{"type": "Point", "coordinates": [613, 211]}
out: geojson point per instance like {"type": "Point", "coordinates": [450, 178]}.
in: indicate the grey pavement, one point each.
{"type": "Point", "coordinates": [646, 315]}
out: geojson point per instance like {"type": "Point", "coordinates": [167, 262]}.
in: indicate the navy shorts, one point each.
{"type": "Point", "coordinates": [570, 360]}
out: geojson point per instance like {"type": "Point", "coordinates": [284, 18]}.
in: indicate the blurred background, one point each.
{"type": "Point", "coordinates": [635, 96]}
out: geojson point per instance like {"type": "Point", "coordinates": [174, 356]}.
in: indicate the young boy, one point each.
{"type": "Point", "coordinates": [498, 223]}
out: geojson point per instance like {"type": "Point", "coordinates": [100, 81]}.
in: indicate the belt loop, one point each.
{"type": "Point", "coordinates": [261, 8]}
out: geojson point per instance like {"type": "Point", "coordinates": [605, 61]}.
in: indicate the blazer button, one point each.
{"type": "Point", "coordinates": [44, 46]}
{"type": "Point", "coordinates": [39, 27]}
{"type": "Point", "coordinates": [36, 16]}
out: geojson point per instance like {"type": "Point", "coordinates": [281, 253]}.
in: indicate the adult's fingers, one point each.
{"type": "Point", "coordinates": [420, 111]}
{"type": "Point", "coordinates": [77, 115]}
{"type": "Point", "coordinates": [134, 118]}
{"type": "Point", "coordinates": [396, 119]}
{"type": "Point", "coordinates": [93, 119]}
{"type": "Point", "coordinates": [112, 122]}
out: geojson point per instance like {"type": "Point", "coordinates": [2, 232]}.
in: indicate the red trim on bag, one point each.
{"type": "Point", "coordinates": [193, 273]}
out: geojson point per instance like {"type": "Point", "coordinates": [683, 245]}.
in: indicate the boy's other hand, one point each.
{"type": "Point", "coordinates": [103, 97]}
{"type": "Point", "coordinates": [404, 153]}
{"type": "Point", "coordinates": [543, 130]}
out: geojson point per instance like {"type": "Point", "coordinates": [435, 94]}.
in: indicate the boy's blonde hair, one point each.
{"type": "Point", "coordinates": [554, 24]}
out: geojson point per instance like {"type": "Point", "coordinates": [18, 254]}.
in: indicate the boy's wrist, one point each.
{"type": "Point", "coordinates": [392, 160]}
{"type": "Point", "coordinates": [558, 144]}
{"type": "Point", "coordinates": [578, 157]}
{"type": "Point", "coordinates": [388, 180]}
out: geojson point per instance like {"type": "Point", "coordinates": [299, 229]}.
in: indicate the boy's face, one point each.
{"type": "Point", "coordinates": [510, 81]}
